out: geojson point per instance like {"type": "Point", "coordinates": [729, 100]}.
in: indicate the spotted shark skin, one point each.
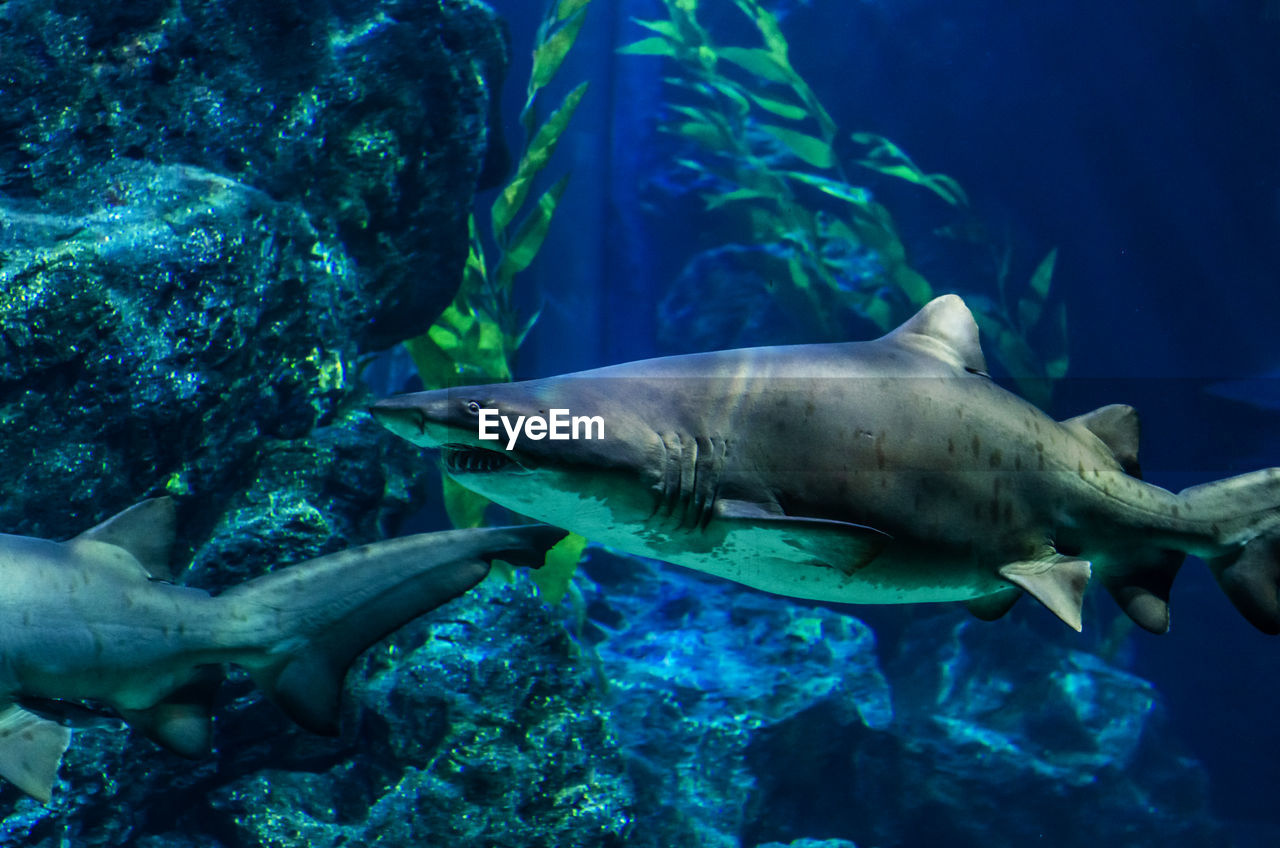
{"type": "Point", "coordinates": [96, 619]}
{"type": "Point", "coordinates": [887, 471]}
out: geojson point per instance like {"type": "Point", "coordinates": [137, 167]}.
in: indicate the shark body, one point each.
{"type": "Point", "coordinates": [888, 471]}
{"type": "Point", "coordinates": [95, 618]}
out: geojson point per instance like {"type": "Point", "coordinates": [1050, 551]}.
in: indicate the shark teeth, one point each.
{"type": "Point", "coordinates": [464, 459]}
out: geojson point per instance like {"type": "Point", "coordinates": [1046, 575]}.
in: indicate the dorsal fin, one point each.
{"type": "Point", "coordinates": [944, 328]}
{"type": "Point", "coordinates": [1116, 426]}
{"type": "Point", "coordinates": [146, 530]}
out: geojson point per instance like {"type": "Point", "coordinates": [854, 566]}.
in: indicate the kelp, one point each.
{"type": "Point", "coordinates": [474, 341]}
{"type": "Point", "coordinates": [766, 148]}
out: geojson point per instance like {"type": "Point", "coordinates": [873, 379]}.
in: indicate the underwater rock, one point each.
{"type": "Point", "coordinates": [372, 119]}
{"type": "Point", "coordinates": [748, 719]}
{"type": "Point", "coordinates": [479, 723]}
{"type": "Point", "coordinates": [698, 669]}
{"type": "Point", "coordinates": [194, 337]}
{"type": "Point", "coordinates": [483, 725]}
{"type": "Point", "coordinates": [999, 739]}
{"type": "Point", "coordinates": [210, 213]}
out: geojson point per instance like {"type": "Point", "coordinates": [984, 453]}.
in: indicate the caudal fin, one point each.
{"type": "Point", "coordinates": [305, 624]}
{"type": "Point", "coordinates": [1245, 513]}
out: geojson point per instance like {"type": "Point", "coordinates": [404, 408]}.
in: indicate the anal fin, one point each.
{"type": "Point", "coordinates": [1054, 580]}
{"type": "Point", "coordinates": [1142, 589]}
{"type": "Point", "coordinates": [31, 749]}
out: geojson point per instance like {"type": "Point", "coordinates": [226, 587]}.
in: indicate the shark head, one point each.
{"type": "Point", "coordinates": [560, 449]}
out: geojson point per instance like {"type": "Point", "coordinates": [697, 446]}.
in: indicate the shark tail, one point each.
{"type": "Point", "coordinates": [304, 625]}
{"type": "Point", "coordinates": [1245, 560]}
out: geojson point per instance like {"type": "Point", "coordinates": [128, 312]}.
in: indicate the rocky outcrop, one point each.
{"type": "Point", "coordinates": [209, 212]}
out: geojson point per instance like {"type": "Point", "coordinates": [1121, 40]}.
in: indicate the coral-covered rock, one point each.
{"type": "Point", "coordinates": [209, 212]}
{"type": "Point", "coordinates": [370, 118]}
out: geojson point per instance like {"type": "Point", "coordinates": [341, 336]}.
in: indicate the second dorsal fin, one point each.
{"type": "Point", "coordinates": [944, 328]}
{"type": "Point", "coordinates": [1116, 426]}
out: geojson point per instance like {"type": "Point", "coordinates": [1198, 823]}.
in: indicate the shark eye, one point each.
{"type": "Point", "coordinates": [473, 408]}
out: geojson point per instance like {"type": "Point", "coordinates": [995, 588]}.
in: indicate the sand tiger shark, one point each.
{"type": "Point", "coordinates": [96, 619]}
{"type": "Point", "coordinates": [886, 471]}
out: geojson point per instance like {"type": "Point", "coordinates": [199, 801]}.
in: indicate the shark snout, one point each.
{"type": "Point", "coordinates": [420, 418]}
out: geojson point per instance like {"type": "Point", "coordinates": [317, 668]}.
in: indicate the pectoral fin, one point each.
{"type": "Point", "coordinates": [31, 749]}
{"type": "Point", "coordinates": [840, 545]}
{"type": "Point", "coordinates": [1054, 580]}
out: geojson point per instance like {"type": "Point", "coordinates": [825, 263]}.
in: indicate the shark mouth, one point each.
{"type": "Point", "coordinates": [468, 459]}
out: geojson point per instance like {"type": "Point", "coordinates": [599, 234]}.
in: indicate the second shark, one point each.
{"type": "Point", "coordinates": [95, 618]}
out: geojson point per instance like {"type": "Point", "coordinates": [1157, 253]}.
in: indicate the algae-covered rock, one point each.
{"type": "Point", "coordinates": [209, 211]}
{"type": "Point", "coordinates": [698, 670]}
{"type": "Point", "coordinates": [479, 724]}
{"type": "Point", "coordinates": [370, 118]}
{"type": "Point", "coordinates": [999, 739]}
{"type": "Point", "coordinates": [483, 727]}
{"type": "Point", "coordinates": [749, 719]}
{"type": "Point", "coordinates": [211, 214]}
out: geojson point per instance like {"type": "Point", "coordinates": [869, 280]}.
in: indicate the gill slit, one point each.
{"type": "Point", "coordinates": [691, 470]}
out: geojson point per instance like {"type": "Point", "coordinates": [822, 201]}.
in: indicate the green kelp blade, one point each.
{"type": "Point", "coordinates": [767, 23]}
{"type": "Point", "coordinates": [1056, 367]}
{"type": "Point", "coordinates": [1032, 307]}
{"type": "Point", "coordinates": [810, 149]}
{"type": "Point", "coordinates": [874, 226]}
{"type": "Point", "coordinates": [856, 195]}
{"type": "Point", "coordinates": [666, 28]}
{"type": "Point", "coordinates": [781, 108]}
{"type": "Point", "coordinates": [799, 277]}
{"type": "Point", "coordinates": [569, 8]}
{"type": "Point", "coordinates": [878, 311]}
{"type": "Point", "coordinates": [1043, 276]}
{"type": "Point", "coordinates": [655, 46]}
{"type": "Point", "coordinates": [517, 339]}
{"type": "Point", "coordinates": [913, 284]}
{"type": "Point", "coordinates": [760, 62]}
{"type": "Point", "coordinates": [464, 507]}
{"type": "Point", "coordinates": [512, 197]}
{"type": "Point", "coordinates": [468, 340]}
{"type": "Point", "coordinates": [550, 54]}
{"type": "Point", "coordinates": [715, 201]}
{"type": "Point", "coordinates": [529, 237]}
{"type": "Point", "coordinates": [733, 92]}
{"type": "Point", "coordinates": [889, 159]}
{"type": "Point", "coordinates": [435, 367]}
{"type": "Point", "coordinates": [1012, 351]}
{"type": "Point", "coordinates": [708, 135]}
{"type": "Point", "coordinates": [561, 564]}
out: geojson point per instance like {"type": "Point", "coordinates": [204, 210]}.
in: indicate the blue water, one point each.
{"type": "Point", "coordinates": [1140, 139]}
